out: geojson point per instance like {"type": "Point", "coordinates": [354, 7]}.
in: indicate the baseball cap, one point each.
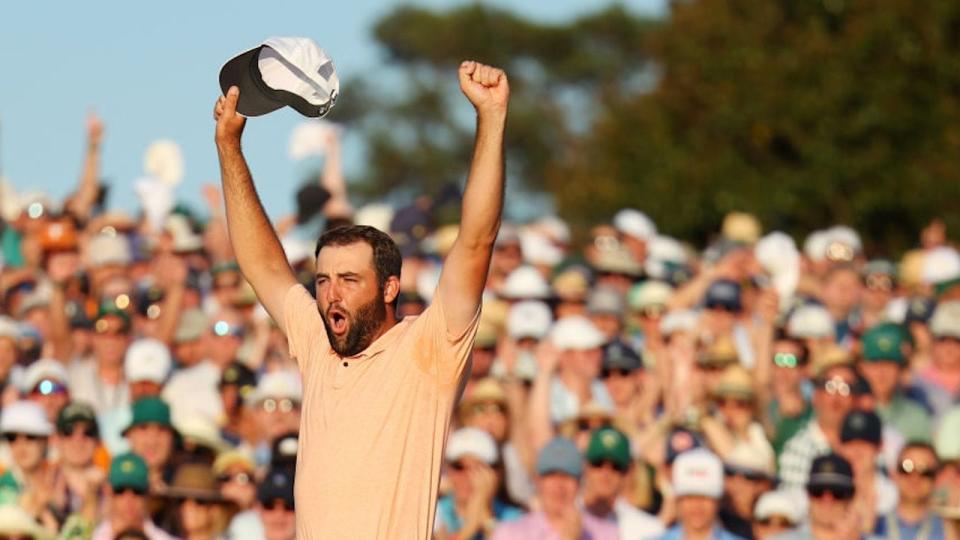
{"type": "Point", "coordinates": [619, 355]}
{"type": "Point", "coordinates": [129, 471]}
{"type": "Point", "coordinates": [74, 412]}
{"type": "Point", "coordinates": [193, 324]}
{"type": "Point", "coordinates": [723, 294]}
{"type": "Point", "coordinates": [147, 360]}
{"type": "Point", "coordinates": [473, 442]}
{"type": "Point", "coordinates": [609, 444]}
{"type": "Point", "coordinates": [862, 426]}
{"type": "Point", "coordinates": [751, 459]}
{"type": "Point", "coordinates": [150, 410]}
{"type": "Point", "coordinates": [283, 71]}
{"type": "Point", "coordinates": [681, 440]}
{"type": "Point", "coordinates": [919, 309]}
{"type": "Point", "coordinates": [229, 458]}
{"type": "Point", "coordinates": [634, 223]}
{"type": "Point", "coordinates": [648, 294]}
{"type": "Point", "coordinates": [680, 320]}
{"type": "Point", "coordinates": [810, 321]}
{"type": "Point", "coordinates": [698, 472]}
{"type": "Point", "coordinates": [606, 301]}
{"type": "Point", "coordinates": [108, 249]}
{"type": "Point", "coordinates": [237, 374]}
{"type": "Point", "coordinates": [735, 381]}
{"type": "Point", "coordinates": [884, 342]}
{"type": "Point", "coordinates": [45, 370]}
{"type": "Point", "coordinates": [526, 282]}
{"type": "Point", "coordinates": [946, 320]}
{"type": "Point", "coordinates": [777, 503]}
{"type": "Point", "coordinates": [276, 385]}
{"type": "Point", "coordinates": [830, 471]}
{"type": "Point", "coordinates": [277, 484]}
{"type": "Point", "coordinates": [575, 333]}
{"type": "Point", "coordinates": [25, 417]}
{"type": "Point", "coordinates": [560, 455]}
{"type": "Point", "coordinates": [721, 352]}
{"type": "Point", "coordinates": [529, 319]}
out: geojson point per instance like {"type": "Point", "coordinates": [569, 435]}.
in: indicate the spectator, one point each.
{"type": "Point", "coordinates": [45, 382]}
{"type": "Point", "coordinates": [789, 408]}
{"type": "Point", "coordinates": [914, 477]}
{"type": "Point", "coordinates": [698, 488]}
{"type": "Point", "coordinates": [200, 509]}
{"type": "Point", "coordinates": [26, 429]}
{"type": "Point", "coordinates": [885, 351]}
{"type": "Point", "coordinates": [99, 380]}
{"type": "Point", "coordinates": [276, 405]}
{"type": "Point", "coordinates": [748, 474]}
{"type": "Point", "coordinates": [127, 509]}
{"type": "Point", "coordinates": [79, 478]}
{"type": "Point", "coordinates": [151, 435]}
{"type": "Point", "coordinates": [861, 439]}
{"type": "Point", "coordinates": [830, 490]}
{"type": "Point", "coordinates": [275, 506]}
{"type": "Point", "coordinates": [236, 383]}
{"type": "Point", "coordinates": [475, 506]}
{"type": "Point", "coordinates": [940, 381]}
{"type": "Point", "coordinates": [623, 374]}
{"type": "Point", "coordinates": [775, 513]}
{"type": "Point", "coordinates": [234, 470]}
{"type": "Point", "coordinates": [607, 467]}
{"type": "Point", "coordinates": [559, 467]}
{"type": "Point", "coordinates": [578, 344]}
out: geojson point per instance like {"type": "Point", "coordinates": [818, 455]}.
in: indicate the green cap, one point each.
{"type": "Point", "coordinates": [74, 412]}
{"type": "Point", "coordinates": [884, 342]}
{"type": "Point", "coordinates": [150, 410]}
{"type": "Point", "coordinates": [129, 471]}
{"type": "Point", "coordinates": [109, 308]}
{"type": "Point", "coordinates": [609, 444]}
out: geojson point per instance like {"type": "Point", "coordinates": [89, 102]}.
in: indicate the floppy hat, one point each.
{"type": "Point", "coordinates": [283, 71]}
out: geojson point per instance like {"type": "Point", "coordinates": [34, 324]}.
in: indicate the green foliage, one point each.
{"type": "Point", "coordinates": [807, 113]}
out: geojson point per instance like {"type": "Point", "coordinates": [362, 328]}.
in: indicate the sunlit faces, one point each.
{"type": "Point", "coordinates": [558, 492]}
{"type": "Point", "coordinates": [110, 339]}
{"type": "Point", "coordinates": [29, 451]}
{"type": "Point", "coordinates": [697, 513]}
{"type": "Point", "coordinates": [351, 302]}
{"type": "Point", "coordinates": [915, 472]}
{"type": "Point", "coordinates": [279, 521]}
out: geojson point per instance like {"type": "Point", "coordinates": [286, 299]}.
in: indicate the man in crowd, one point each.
{"type": "Point", "coordinates": [698, 487]}
{"type": "Point", "coordinates": [127, 508]}
{"type": "Point", "coordinates": [151, 437]}
{"type": "Point", "coordinates": [559, 468]}
{"type": "Point", "coordinates": [914, 476]}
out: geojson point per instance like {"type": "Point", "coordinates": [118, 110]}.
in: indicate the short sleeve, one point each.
{"type": "Point", "coordinates": [448, 354]}
{"type": "Point", "coordinates": [302, 324]}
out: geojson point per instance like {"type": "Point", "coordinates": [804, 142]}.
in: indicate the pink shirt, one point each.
{"type": "Point", "coordinates": [373, 426]}
{"type": "Point", "coordinates": [536, 527]}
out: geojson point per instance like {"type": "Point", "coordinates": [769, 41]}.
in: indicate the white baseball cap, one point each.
{"type": "Point", "coordinates": [810, 321]}
{"type": "Point", "coordinates": [283, 71]}
{"type": "Point", "coordinates": [635, 223]}
{"type": "Point", "coordinates": [946, 320]}
{"type": "Point", "coordinates": [473, 442]}
{"type": "Point", "coordinates": [147, 360]}
{"type": "Point", "coordinates": [777, 503]}
{"type": "Point", "coordinates": [45, 368]}
{"type": "Point", "coordinates": [576, 333]}
{"type": "Point", "coordinates": [529, 319]}
{"type": "Point", "coordinates": [680, 320]}
{"type": "Point", "coordinates": [107, 249]}
{"type": "Point", "coordinates": [25, 417]}
{"type": "Point", "coordinates": [526, 282]}
{"type": "Point", "coordinates": [698, 472]}
{"type": "Point", "coordinates": [276, 385]}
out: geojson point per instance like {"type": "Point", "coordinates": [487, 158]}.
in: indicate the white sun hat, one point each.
{"type": "Point", "coordinates": [283, 71]}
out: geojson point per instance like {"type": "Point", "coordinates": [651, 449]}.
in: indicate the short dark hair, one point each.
{"type": "Point", "coordinates": [386, 254]}
{"type": "Point", "coordinates": [918, 445]}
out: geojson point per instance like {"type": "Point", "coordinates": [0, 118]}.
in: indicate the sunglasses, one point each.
{"type": "Point", "coordinates": [48, 387]}
{"type": "Point", "coordinates": [591, 425]}
{"type": "Point", "coordinates": [775, 521]}
{"type": "Point", "coordinates": [12, 437]}
{"type": "Point", "coordinates": [601, 463]}
{"type": "Point", "coordinates": [836, 387]}
{"type": "Point", "coordinates": [277, 504]}
{"type": "Point", "coordinates": [879, 282]}
{"type": "Point", "coordinates": [69, 429]}
{"type": "Point", "coordinates": [490, 407]}
{"type": "Point", "coordinates": [787, 360]}
{"type": "Point", "coordinates": [751, 476]}
{"type": "Point", "coordinates": [104, 328]}
{"type": "Point", "coordinates": [653, 311]}
{"type": "Point", "coordinates": [615, 372]}
{"type": "Point", "coordinates": [908, 467]}
{"type": "Point", "coordinates": [735, 403]}
{"type": "Point", "coordinates": [240, 478]}
{"type": "Point", "coordinates": [840, 494]}
{"type": "Point", "coordinates": [282, 405]}
{"type": "Point", "coordinates": [127, 489]}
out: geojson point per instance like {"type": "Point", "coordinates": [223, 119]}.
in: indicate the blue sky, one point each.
{"type": "Point", "coordinates": [150, 70]}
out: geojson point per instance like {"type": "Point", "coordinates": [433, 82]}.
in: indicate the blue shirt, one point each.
{"type": "Point", "coordinates": [719, 533]}
{"type": "Point", "coordinates": [910, 531]}
{"type": "Point", "coordinates": [448, 519]}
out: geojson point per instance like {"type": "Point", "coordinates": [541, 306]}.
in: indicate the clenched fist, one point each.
{"type": "Point", "coordinates": [486, 87]}
{"type": "Point", "coordinates": [229, 123]}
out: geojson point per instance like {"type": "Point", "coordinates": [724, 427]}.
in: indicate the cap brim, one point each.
{"type": "Point", "coordinates": [239, 72]}
{"type": "Point", "coordinates": [830, 480]}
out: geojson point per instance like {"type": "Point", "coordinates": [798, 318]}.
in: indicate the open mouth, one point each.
{"type": "Point", "coordinates": [338, 322]}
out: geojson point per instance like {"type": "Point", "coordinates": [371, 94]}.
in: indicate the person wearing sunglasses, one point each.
{"type": "Point", "coordinates": [784, 388]}
{"type": "Point", "coordinates": [775, 513]}
{"type": "Point", "coordinates": [831, 513]}
{"type": "Point", "coordinates": [832, 400]}
{"type": "Point", "coordinates": [200, 511]}
{"type": "Point", "coordinates": [26, 430]}
{"type": "Point", "coordinates": [99, 380]}
{"type": "Point", "coordinates": [45, 382]}
{"type": "Point", "coordinates": [127, 497]}
{"type": "Point", "coordinates": [723, 309]}
{"type": "Point", "coordinates": [275, 505]}
{"type": "Point", "coordinates": [623, 374]}
{"type": "Point", "coordinates": [697, 481]}
{"type": "Point", "coordinates": [476, 503]}
{"type": "Point", "coordinates": [76, 441]}
{"type": "Point", "coordinates": [748, 472]}
{"type": "Point", "coordinates": [879, 286]}
{"type": "Point", "coordinates": [235, 472]}
{"type": "Point", "coordinates": [152, 436]}
{"type": "Point", "coordinates": [915, 476]}
{"type": "Point", "coordinates": [607, 466]}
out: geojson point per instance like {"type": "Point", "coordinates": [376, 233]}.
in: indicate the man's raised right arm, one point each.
{"type": "Point", "coordinates": [254, 241]}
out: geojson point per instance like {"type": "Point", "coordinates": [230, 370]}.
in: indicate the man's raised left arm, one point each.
{"type": "Point", "coordinates": [465, 269]}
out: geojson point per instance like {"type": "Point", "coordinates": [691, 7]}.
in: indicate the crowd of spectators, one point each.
{"type": "Point", "coordinates": [624, 384]}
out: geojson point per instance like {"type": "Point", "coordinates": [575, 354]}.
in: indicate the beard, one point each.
{"type": "Point", "coordinates": [364, 325]}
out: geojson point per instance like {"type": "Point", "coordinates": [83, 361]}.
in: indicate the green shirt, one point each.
{"type": "Point", "coordinates": [907, 417]}
{"type": "Point", "coordinates": [785, 427]}
{"type": "Point", "coordinates": [10, 489]}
